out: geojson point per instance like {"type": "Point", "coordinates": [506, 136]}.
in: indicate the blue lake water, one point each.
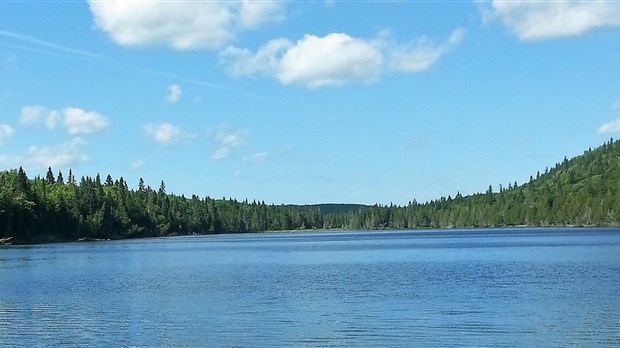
{"type": "Point", "coordinates": [495, 288]}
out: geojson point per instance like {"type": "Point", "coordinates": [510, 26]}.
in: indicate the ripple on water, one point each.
{"type": "Point", "coordinates": [325, 292]}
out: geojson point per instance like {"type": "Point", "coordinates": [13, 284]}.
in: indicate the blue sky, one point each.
{"type": "Point", "coordinates": [307, 101]}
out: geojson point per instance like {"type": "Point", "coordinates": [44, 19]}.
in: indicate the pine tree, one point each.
{"type": "Point", "coordinates": [49, 177]}
{"type": "Point", "coordinates": [109, 182]}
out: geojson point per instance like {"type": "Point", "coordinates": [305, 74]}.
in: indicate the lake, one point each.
{"type": "Point", "coordinates": [489, 287]}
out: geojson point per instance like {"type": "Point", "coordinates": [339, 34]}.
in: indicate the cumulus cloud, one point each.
{"type": "Point", "coordinates": [6, 133]}
{"type": "Point", "coordinates": [79, 121]}
{"type": "Point", "coordinates": [227, 141]}
{"type": "Point", "coordinates": [62, 155]}
{"type": "Point", "coordinates": [181, 24]}
{"type": "Point", "coordinates": [251, 14]}
{"type": "Point", "coordinates": [163, 133]}
{"type": "Point", "coordinates": [610, 127]}
{"type": "Point", "coordinates": [335, 59]}
{"type": "Point", "coordinates": [174, 93]}
{"type": "Point", "coordinates": [540, 20]}
{"type": "Point", "coordinates": [75, 120]}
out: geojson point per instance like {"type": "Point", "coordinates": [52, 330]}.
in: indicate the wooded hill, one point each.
{"type": "Point", "coordinates": [582, 191]}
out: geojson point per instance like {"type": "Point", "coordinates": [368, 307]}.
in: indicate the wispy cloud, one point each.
{"type": "Point", "coordinates": [421, 54]}
{"type": "Point", "coordinates": [52, 47]}
{"type": "Point", "coordinates": [43, 46]}
{"type": "Point", "coordinates": [226, 141]}
{"type": "Point", "coordinates": [256, 158]}
{"type": "Point", "coordinates": [40, 157]}
{"type": "Point", "coordinates": [610, 127]}
{"type": "Point", "coordinates": [209, 85]}
{"type": "Point", "coordinates": [541, 20]}
{"type": "Point", "coordinates": [6, 133]}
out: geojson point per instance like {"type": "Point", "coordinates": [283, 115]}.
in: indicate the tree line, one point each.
{"type": "Point", "coordinates": [54, 209]}
{"type": "Point", "coordinates": [583, 191]}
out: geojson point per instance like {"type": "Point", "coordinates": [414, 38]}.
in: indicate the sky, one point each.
{"type": "Point", "coordinates": [307, 102]}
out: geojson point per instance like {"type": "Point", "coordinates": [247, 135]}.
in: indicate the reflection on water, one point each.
{"type": "Point", "coordinates": [521, 287]}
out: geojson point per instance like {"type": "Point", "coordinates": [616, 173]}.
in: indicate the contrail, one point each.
{"type": "Point", "coordinates": [54, 48]}
{"type": "Point", "coordinates": [51, 45]}
{"type": "Point", "coordinates": [210, 85]}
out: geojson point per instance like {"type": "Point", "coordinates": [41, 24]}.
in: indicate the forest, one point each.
{"type": "Point", "coordinates": [581, 191]}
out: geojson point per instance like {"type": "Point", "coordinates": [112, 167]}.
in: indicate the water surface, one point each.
{"type": "Point", "coordinates": [508, 287]}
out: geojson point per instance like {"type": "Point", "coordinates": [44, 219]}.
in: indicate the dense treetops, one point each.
{"type": "Point", "coordinates": [583, 191]}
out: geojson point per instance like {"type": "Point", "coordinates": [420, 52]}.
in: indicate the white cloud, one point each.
{"type": "Point", "coordinates": [335, 59]}
{"type": "Point", "coordinates": [33, 115]}
{"type": "Point", "coordinates": [6, 133]}
{"type": "Point", "coordinates": [163, 133]}
{"type": "Point", "coordinates": [51, 118]}
{"type": "Point", "coordinates": [252, 14]}
{"type": "Point", "coordinates": [540, 20]}
{"type": "Point", "coordinates": [181, 24]}
{"type": "Point", "coordinates": [266, 61]}
{"type": "Point", "coordinates": [62, 155]}
{"type": "Point", "coordinates": [174, 93]}
{"type": "Point", "coordinates": [78, 121]}
{"type": "Point", "coordinates": [421, 54]}
{"type": "Point", "coordinates": [610, 127]}
{"type": "Point", "coordinates": [255, 158]}
{"type": "Point", "coordinates": [227, 141]}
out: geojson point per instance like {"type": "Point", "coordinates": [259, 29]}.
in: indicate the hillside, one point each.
{"type": "Point", "coordinates": [582, 191]}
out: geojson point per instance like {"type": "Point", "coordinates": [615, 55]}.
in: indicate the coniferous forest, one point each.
{"type": "Point", "coordinates": [582, 191]}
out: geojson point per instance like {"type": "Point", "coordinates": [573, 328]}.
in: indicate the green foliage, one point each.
{"type": "Point", "coordinates": [583, 191]}
{"type": "Point", "coordinates": [47, 210]}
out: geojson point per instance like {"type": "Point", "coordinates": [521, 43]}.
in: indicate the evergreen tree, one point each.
{"type": "Point", "coordinates": [49, 177]}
